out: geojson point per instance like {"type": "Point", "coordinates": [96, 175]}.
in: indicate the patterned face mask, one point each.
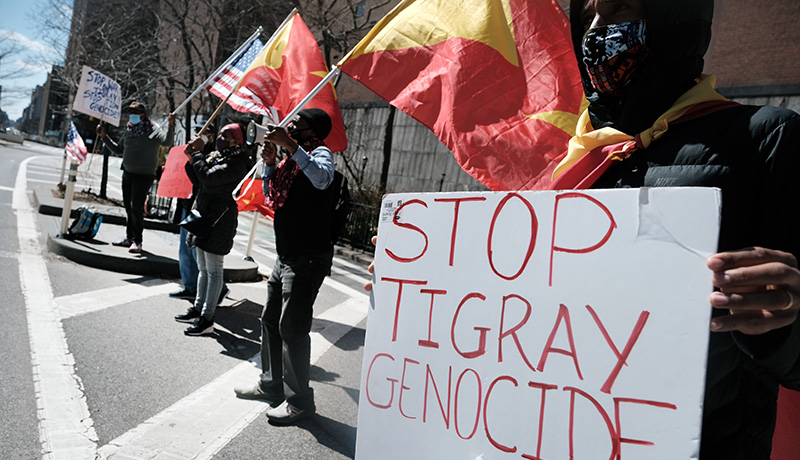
{"type": "Point", "coordinates": [613, 55]}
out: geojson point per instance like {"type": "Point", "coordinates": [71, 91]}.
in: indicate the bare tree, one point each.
{"type": "Point", "coordinates": [341, 23]}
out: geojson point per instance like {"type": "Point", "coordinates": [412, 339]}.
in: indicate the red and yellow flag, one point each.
{"type": "Point", "coordinates": [286, 71]}
{"type": "Point", "coordinates": [495, 80]}
{"type": "Point", "coordinates": [253, 199]}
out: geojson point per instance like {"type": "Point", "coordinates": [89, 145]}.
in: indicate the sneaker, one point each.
{"type": "Point", "coordinates": [188, 317]}
{"type": "Point", "coordinates": [126, 243]}
{"type": "Point", "coordinates": [183, 294]}
{"type": "Point", "coordinates": [287, 414]}
{"type": "Point", "coordinates": [201, 326]}
{"type": "Point", "coordinates": [223, 294]}
{"type": "Point", "coordinates": [136, 248]}
{"type": "Point", "coordinates": [256, 392]}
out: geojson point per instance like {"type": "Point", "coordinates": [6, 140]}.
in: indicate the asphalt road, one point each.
{"type": "Point", "coordinates": [135, 385]}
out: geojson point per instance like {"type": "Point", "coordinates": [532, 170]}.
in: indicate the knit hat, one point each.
{"type": "Point", "coordinates": [236, 130]}
{"type": "Point", "coordinates": [318, 121]}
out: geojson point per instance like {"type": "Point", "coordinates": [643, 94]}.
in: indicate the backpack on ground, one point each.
{"type": "Point", "coordinates": [342, 205]}
{"type": "Point", "coordinates": [86, 225]}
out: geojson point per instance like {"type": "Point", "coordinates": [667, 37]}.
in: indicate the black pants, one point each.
{"type": "Point", "coordinates": [286, 324]}
{"type": "Point", "coordinates": [135, 188]}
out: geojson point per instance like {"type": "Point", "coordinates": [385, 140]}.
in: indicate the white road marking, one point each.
{"type": "Point", "coordinates": [173, 432]}
{"type": "Point", "coordinates": [66, 430]}
{"type": "Point", "coordinates": [92, 301]}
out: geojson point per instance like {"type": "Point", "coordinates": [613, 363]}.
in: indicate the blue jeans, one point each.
{"type": "Point", "coordinates": [209, 282]}
{"type": "Point", "coordinates": [286, 323]}
{"type": "Point", "coordinates": [135, 188]}
{"type": "Point", "coordinates": [187, 260]}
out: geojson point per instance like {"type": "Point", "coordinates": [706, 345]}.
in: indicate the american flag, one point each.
{"type": "Point", "coordinates": [75, 147]}
{"type": "Point", "coordinates": [243, 100]}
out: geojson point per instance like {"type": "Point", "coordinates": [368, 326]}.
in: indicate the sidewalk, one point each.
{"type": "Point", "coordinates": [160, 245]}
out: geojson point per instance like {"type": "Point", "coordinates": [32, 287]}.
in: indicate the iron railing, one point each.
{"type": "Point", "coordinates": [157, 207]}
{"type": "Point", "coordinates": [362, 224]}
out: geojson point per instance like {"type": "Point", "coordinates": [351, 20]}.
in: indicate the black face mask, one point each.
{"type": "Point", "coordinates": [222, 143]}
{"type": "Point", "coordinates": [613, 55]}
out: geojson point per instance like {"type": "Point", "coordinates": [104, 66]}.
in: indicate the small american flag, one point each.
{"type": "Point", "coordinates": [225, 81]}
{"type": "Point", "coordinates": [75, 147]}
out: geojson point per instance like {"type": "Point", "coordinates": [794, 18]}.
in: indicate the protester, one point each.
{"type": "Point", "coordinates": [299, 191]}
{"type": "Point", "coordinates": [641, 63]}
{"type": "Point", "coordinates": [187, 256]}
{"type": "Point", "coordinates": [216, 175]}
{"type": "Point", "coordinates": [640, 59]}
{"type": "Point", "coordinates": [139, 164]}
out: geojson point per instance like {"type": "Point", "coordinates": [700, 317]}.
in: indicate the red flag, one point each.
{"type": "Point", "coordinates": [495, 80]}
{"type": "Point", "coordinates": [174, 182]}
{"type": "Point", "coordinates": [286, 71]}
{"type": "Point", "coordinates": [785, 443]}
{"type": "Point", "coordinates": [253, 199]}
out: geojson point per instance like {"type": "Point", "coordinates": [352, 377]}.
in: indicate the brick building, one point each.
{"type": "Point", "coordinates": [754, 51]}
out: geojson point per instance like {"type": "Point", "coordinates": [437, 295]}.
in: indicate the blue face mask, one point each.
{"type": "Point", "coordinates": [135, 119]}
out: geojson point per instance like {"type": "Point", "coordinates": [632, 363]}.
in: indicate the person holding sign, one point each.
{"type": "Point", "coordinates": [139, 164]}
{"type": "Point", "coordinates": [641, 64]}
{"type": "Point", "coordinates": [215, 175]}
{"type": "Point", "coordinates": [298, 189]}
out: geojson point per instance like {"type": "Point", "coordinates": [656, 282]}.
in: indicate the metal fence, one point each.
{"type": "Point", "coordinates": [362, 224]}
{"type": "Point", "coordinates": [157, 207]}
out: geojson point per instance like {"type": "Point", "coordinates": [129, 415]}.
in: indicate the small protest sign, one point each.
{"type": "Point", "coordinates": [98, 96]}
{"type": "Point", "coordinates": [174, 182]}
{"type": "Point", "coordinates": [539, 325]}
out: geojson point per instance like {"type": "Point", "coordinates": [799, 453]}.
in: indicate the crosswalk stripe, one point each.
{"type": "Point", "coordinates": [92, 301]}
{"type": "Point", "coordinates": [172, 433]}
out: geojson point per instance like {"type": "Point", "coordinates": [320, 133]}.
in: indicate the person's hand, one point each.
{"type": "Point", "coordinates": [171, 119]}
{"type": "Point", "coordinates": [101, 130]}
{"type": "Point", "coordinates": [371, 268]}
{"type": "Point", "coordinates": [760, 288]}
{"type": "Point", "coordinates": [196, 144]}
{"type": "Point", "coordinates": [280, 137]}
{"type": "Point", "coordinates": [269, 153]}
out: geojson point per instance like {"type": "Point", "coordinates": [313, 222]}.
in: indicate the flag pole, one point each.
{"type": "Point", "coordinates": [334, 71]}
{"type": "Point", "coordinates": [212, 76]}
{"type": "Point", "coordinates": [236, 88]}
{"type": "Point", "coordinates": [248, 254]}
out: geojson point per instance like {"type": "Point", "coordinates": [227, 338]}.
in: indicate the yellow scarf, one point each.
{"type": "Point", "coordinates": [588, 138]}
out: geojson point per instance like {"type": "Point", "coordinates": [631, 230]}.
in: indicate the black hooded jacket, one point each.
{"type": "Point", "coordinates": [753, 155]}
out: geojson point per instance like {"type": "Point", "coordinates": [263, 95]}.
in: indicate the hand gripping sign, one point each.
{"type": "Point", "coordinates": [98, 96]}
{"type": "Point", "coordinates": [539, 325]}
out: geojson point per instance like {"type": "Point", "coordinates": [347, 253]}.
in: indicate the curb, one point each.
{"type": "Point", "coordinates": [49, 205]}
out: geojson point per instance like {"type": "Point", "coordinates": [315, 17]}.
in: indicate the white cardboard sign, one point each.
{"type": "Point", "coordinates": [98, 96]}
{"type": "Point", "coordinates": [539, 325]}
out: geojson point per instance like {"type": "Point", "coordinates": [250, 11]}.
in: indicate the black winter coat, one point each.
{"type": "Point", "coordinates": [215, 180]}
{"type": "Point", "coordinates": [753, 155]}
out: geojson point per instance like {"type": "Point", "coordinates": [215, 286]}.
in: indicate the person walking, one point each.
{"type": "Point", "coordinates": [139, 163]}
{"type": "Point", "coordinates": [216, 175]}
{"type": "Point", "coordinates": [298, 189]}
